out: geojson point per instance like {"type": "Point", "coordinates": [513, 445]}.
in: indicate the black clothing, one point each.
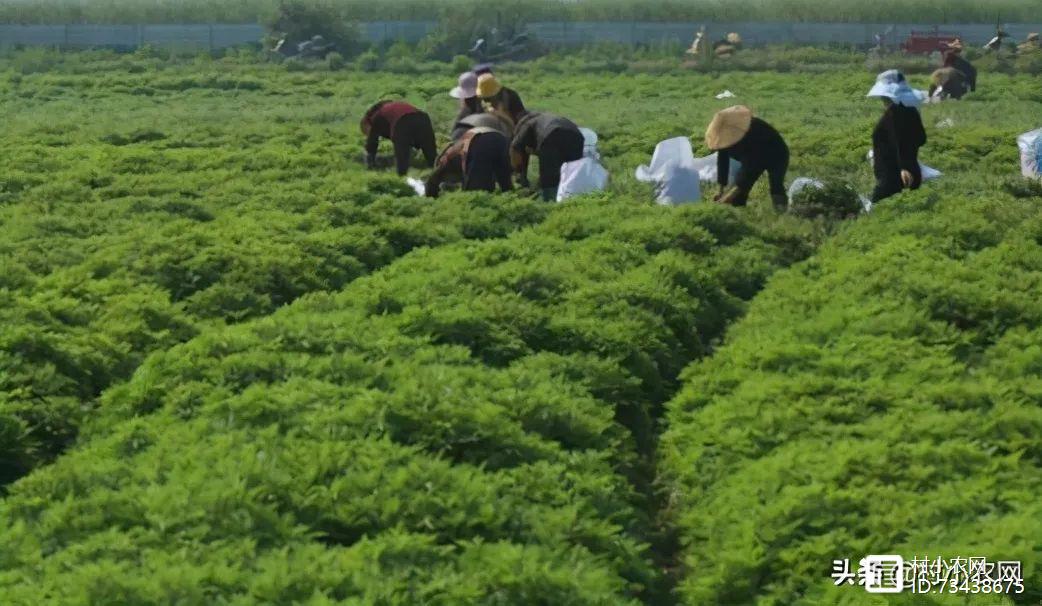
{"type": "Point", "coordinates": [554, 139]}
{"type": "Point", "coordinates": [480, 161]}
{"type": "Point", "coordinates": [508, 100]}
{"type": "Point", "coordinates": [762, 149]}
{"type": "Point", "coordinates": [896, 140]}
{"type": "Point", "coordinates": [967, 69]}
{"type": "Point", "coordinates": [407, 127]}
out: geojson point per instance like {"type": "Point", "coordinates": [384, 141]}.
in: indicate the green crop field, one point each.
{"type": "Point", "coordinates": [237, 368]}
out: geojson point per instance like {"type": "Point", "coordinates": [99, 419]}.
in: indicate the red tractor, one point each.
{"type": "Point", "coordinates": [928, 41]}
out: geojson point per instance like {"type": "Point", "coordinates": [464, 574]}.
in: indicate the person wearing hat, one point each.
{"type": "Point", "coordinates": [736, 133]}
{"type": "Point", "coordinates": [466, 91]}
{"type": "Point", "coordinates": [953, 58]}
{"type": "Point", "coordinates": [407, 127]}
{"type": "Point", "coordinates": [948, 83]}
{"type": "Point", "coordinates": [897, 137]}
{"type": "Point", "coordinates": [728, 46]}
{"type": "Point", "coordinates": [499, 97]}
{"type": "Point", "coordinates": [555, 140]}
{"type": "Point", "coordinates": [480, 158]}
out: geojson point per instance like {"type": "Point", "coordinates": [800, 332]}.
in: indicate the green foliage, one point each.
{"type": "Point", "coordinates": [834, 201]}
{"type": "Point", "coordinates": [299, 20]}
{"type": "Point", "coordinates": [485, 400]}
{"type": "Point", "coordinates": [880, 398]}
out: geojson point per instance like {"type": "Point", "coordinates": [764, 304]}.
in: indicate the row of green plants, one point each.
{"type": "Point", "coordinates": [883, 397]}
{"type": "Point", "coordinates": [471, 424]}
{"type": "Point", "coordinates": [245, 11]}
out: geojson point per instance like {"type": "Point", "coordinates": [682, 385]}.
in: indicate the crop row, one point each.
{"type": "Point", "coordinates": [883, 397]}
{"type": "Point", "coordinates": [470, 424]}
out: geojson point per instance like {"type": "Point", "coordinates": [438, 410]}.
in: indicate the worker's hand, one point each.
{"type": "Point", "coordinates": [906, 178]}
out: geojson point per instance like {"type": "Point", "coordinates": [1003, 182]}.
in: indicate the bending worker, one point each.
{"type": "Point", "coordinates": [897, 137]}
{"type": "Point", "coordinates": [736, 133]}
{"type": "Point", "coordinates": [496, 95]}
{"type": "Point", "coordinates": [480, 157]}
{"type": "Point", "coordinates": [555, 140]}
{"type": "Point", "coordinates": [948, 83]}
{"type": "Point", "coordinates": [954, 58]}
{"type": "Point", "coordinates": [407, 127]}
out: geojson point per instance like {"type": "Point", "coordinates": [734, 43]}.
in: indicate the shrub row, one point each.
{"type": "Point", "coordinates": [883, 397]}
{"type": "Point", "coordinates": [470, 424]}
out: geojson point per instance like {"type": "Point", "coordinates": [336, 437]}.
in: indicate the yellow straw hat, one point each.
{"type": "Point", "coordinates": [1033, 37]}
{"type": "Point", "coordinates": [728, 127]}
{"type": "Point", "coordinates": [734, 38]}
{"type": "Point", "coordinates": [488, 86]}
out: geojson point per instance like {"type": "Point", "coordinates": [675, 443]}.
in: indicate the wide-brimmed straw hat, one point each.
{"type": "Point", "coordinates": [734, 38]}
{"type": "Point", "coordinates": [466, 86]}
{"type": "Point", "coordinates": [488, 86]}
{"type": "Point", "coordinates": [1033, 37]}
{"type": "Point", "coordinates": [728, 127]}
{"type": "Point", "coordinates": [892, 85]}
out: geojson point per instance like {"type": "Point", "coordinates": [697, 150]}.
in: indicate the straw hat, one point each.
{"type": "Point", "coordinates": [488, 86]}
{"type": "Point", "coordinates": [1033, 37]}
{"type": "Point", "coordinates": [734, 38]}
{"type": "Point", "coordinates": [728, 127]}
{"type": "Point", "coordinates": [466, 86]}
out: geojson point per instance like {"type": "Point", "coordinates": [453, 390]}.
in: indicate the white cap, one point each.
{"type": "Point", "coordinates": [892, 85]}
{"type": "Point", "coordinates": [467, 86]}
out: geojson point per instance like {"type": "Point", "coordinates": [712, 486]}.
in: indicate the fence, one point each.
{"type": "Point", "coordinates": [551, 33]}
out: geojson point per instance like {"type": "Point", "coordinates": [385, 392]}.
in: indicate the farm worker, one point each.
{"type": "Point", "coordinates": [480, 158]}
{"type": "Point", "coordinates": [736, 133]}
{"type": "Point", "coordinates": [466, 91]}
{"type": "Point", "coordinates": [897, 137]}
{"type": "Point", "coordinates": [948, 83]}
{"type": "Point", "coordinates": [1033, 43]}
{"type": "Point", "coordinates": [497, 96]}
{"type": "Point", "coordinates": [555, 140]}
{"type": "Point", "coordinates": [496, 121]}
{"type": "Point", "coordinates": [406, 127]}
{"type": "Point", "coordinates": [954, 58]}
{"type": "Point", "coordinates": [728, 46]}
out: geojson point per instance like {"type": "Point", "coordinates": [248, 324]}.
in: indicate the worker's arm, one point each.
{"type": "Point", "coordinates": [372, 141]}
{"type": "Point", "coordinates": [447, 163]}
{"type": "Point", "coordinates": [723, 168]}
{"type": "Point", "coordinates": [524, 140]}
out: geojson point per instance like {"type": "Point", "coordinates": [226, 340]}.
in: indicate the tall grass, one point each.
{"type": "Point", "coordinates": [242, 11]}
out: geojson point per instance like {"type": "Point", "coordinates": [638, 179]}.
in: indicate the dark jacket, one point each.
{"type": "Point", "coordinates": [471, 106]}
{"type": "Point", "coordinates": [964, 66]}
{"type": "Point", "coordinates": [950, 81]}
{"type": "Point", "coordinates": [896, 141]}
{"type": "Point", "coordinates": [535, 127]}
{"type": "Point", "coordinates": [383, 119]}
{"type": "Point", "coordinates": [761, 148]}
{"type": "Point", "coordinates": [510, 101]}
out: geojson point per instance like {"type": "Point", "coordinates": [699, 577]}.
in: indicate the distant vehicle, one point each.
{"type": "Point", "coordinates": [925, 42]}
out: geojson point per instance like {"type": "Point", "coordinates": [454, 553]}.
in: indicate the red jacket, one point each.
{"type": "Point", "coordinates": [386, 118]}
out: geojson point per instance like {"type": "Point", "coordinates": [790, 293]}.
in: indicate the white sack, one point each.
{"type": "Point", "coordinates": [580, 177]}
{"type": "Point", "coordinates": [1030, 145]}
